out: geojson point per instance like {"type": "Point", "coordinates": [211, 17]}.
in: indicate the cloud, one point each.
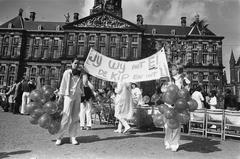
{"type": "Point", "coordinates": [85, 6]}
{"type": "Point", "coordinates": [162, 11]}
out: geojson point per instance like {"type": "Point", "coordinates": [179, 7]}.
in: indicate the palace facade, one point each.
{"type": "Point", "coordinates": [45, 49]}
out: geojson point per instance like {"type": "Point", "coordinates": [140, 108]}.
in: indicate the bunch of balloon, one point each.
{"type": "Point", "coordinates": [176, 107]}
{"type": "Point", "coordinates": [44, 110]}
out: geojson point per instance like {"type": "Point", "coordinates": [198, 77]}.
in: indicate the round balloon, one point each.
{"type": "Point", "coordinates": [45, 87]}
{"type": "Point", "coordinates": [192, 105]}
{"type": "Point", "coordinates": [146, 99]}
{"type": "Point", "coordinates": [54, 127]}
{"type": "Point", "coordinates": [44, 121]}
{"type": "Point", "coordinates": [155, 97]}
{"type": "Point", "coordinates": [162, 108]}
{"type": "Point", "coordinates": [173, 123]}
{"type": "Point", "coordinates": [172, 88]}
{"type": "Point", "coordinates": [33, 120]}
{"type": "Point", "coordinates": [48, 93]}
{"type": "Point", "coordinates": [170, 97]}
{"type": "Point", "coordinates": [36, 95]}
{"type": "Point", "coordinates": [184, 93]}
{"type": "Point", "coordinates": [181, 105]}
{"type": "Point", "coordinates": [30, 107]}
{"type": "Point", "coordinates": [50, 107]}
{"type": "Point", "coordinates": [184, 117]}
{"type": "Point", "coordinates": [37, 113]}
{"type": "Point", "coordinates": [170, 113]}
{"type": "Point", "coordinates": [158, 120]}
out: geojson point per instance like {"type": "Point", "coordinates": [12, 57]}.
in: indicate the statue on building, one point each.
{"type": "Point", "coordinates": [67, 18]}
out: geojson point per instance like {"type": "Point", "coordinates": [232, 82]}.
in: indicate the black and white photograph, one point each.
{"type": "Point", "coordinates": [119, 79]}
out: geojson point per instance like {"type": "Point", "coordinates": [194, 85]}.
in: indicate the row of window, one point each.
{"type": "Point", "coordinates": [205, 76]}
{"type": "Point", "coordinates": [206, 87]}
{"type": "Point", "coordinates": [43, 53]}
{"type": "Point", "coordinates": [102, 49]}
{"type": "Point", "coordinates": [44, 42]}
{"type": "Point", "coordinates": [42, 71]}
{"type": "Point", "coordinates": [10, 81]}
{"type": "Point", "coordinates": [206, 58]}
{"type": "Point", "coordinates": [92, 38]}
{"type": "Point", "coordinates": [13, 52]}
{"type": "Point", "coordinates": [15, 40]}
{"type": "Point", "coordinates": [3, 69]}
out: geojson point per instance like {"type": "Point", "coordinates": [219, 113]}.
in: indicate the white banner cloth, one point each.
{"type": "Point", "coordinates": [109, 69]}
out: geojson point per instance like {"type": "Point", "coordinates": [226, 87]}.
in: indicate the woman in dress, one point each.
{"type": "Point", "coordinates": [123, 106]}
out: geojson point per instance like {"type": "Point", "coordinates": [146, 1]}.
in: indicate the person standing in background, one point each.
{"type": "Point", "coordinates": [197, 95]}
{"type": "Point", "coordinates": [212, 100]}
{"type": "Point", "coordinates": [25, 95]}
{"type": "Point", "coordinates": [86, 103]}
{"type": "Point", "coordinates": [18, 97]}
{"type": "Point", "coordinates": [10, 95]}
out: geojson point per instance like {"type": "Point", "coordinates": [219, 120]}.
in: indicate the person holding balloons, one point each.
{"type": "Point", "coordinates": [123, 106]}
{"type": "Point", "coordinates": [172, 126]}
{"type": "Point", "coordinates": [70, 93]}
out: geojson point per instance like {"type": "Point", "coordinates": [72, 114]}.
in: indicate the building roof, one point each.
{"type": "Point", "coordinates": [16, 22]}
{"type": "Point", "coordinates": [166, 29]}
{"type": "Point", "coordinates": [193, 30]}
{"type": "Point", "coordinates": [179, 30]}
{"type": "Point", "coordinates": [33, 25]}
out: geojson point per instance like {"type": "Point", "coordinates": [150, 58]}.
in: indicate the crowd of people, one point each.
{"type": "Point", "coordinates": [15, 98]}
{"type": "Point", "coordinates": [77, 94]}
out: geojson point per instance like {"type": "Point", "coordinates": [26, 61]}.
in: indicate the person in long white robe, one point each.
{"type": "Point", "coordinates": [123, 106]}
{"type": "Point", "coordinates": [71, 90]}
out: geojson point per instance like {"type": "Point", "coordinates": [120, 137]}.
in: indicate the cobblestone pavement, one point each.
{"type": "Point", "coordinates": [21, 140]}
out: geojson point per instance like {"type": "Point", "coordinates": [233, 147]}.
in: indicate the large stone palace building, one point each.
{"type": "Point", "coordinates": [44, 49]}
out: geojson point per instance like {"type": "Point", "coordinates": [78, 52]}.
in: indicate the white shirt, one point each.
{"type": "Point", "coordinates": [199, 98]}
{"type": "Point", "coordinates": [137, 95]}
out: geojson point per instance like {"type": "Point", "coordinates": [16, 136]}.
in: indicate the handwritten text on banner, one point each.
{"type": "Point", "coordinates": [150, 68]}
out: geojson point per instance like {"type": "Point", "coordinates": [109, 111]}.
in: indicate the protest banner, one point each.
{"type": "Point", "coordinates": [109, 69]}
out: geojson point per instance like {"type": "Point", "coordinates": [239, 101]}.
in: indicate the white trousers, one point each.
{"type": "Point", "coordinates": [85, 113]}
{"type": "Point", "coordinates": [172, 137]}
{"type": "Point", "coordinates": [122, 122]}
{"type": "Point", "coordinates": [25, 101]}
{"type": "Point", "coordinates": [70, 119]}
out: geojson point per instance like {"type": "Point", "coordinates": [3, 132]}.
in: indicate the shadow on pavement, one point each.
{"type": "Point", "coordinates": [199, 144]}
{"type": "Point", "coordinates": [102, 128]}
{"type": "Point", "coordinates": [95, 138]}
{"type": "Point", "coordinates": [9, 154]}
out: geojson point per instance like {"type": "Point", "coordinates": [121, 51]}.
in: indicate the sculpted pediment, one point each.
{"type": "Point", "coordinates": [104, 20]}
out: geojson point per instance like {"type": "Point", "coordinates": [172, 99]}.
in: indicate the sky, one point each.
{"type": "Point", "coordinates": [221, 15]}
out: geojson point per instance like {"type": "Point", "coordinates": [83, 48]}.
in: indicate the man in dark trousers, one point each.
{"type": "Point", "coordinates": [18, 97]}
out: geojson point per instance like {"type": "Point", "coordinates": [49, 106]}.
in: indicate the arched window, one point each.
{"type": "Point", "coordinates": [43, 71]}
{"type": "Point", "coordinates": [10, 25]}
{"type": "Point", "coordinates": [2, 69]}
{"type": "Point", "coordinates": [12, 70]}
{"type": "Point", "coordinates": [33, 71]}
{"type": "Point", "coordinates": [52, 71]}
{"type": "Point", "coordinates": [154, 31]}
